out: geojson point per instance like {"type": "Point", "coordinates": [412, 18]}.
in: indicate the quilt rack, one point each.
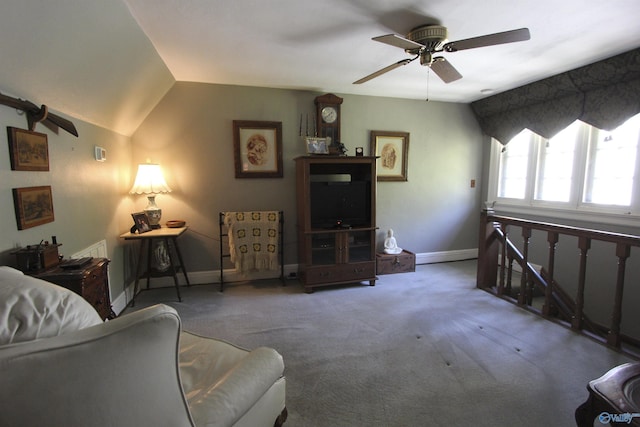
{"type": "Point", "coordinates": [225, 251]}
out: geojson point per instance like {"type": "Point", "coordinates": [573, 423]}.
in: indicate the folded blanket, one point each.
{"type": "Point", "coordinates": [253, 239]}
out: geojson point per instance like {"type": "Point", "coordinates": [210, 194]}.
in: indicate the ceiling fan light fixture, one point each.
{"type": "Point", "coordinates": [431, 36]}
{"type": "Point", "coordinates": [426, 59]}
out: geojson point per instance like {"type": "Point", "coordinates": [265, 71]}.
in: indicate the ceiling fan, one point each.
{"type": "Point", "coordinates": [426, 40]}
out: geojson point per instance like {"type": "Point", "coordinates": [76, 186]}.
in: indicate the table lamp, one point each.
{"type": "Point", "coordinates": [149, 181]}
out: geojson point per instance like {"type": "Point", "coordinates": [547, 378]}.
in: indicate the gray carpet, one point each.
{"type": "Point", "coordinates": [418, 349]}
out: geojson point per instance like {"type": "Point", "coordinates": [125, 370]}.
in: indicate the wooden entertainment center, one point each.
{"type": "Point", "coordinates": [336, 208]}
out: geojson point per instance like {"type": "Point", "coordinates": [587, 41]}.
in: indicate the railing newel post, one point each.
{"type": "Point", "coordinates": [488, 245]}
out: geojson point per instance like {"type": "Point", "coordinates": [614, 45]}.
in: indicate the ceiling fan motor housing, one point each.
{"type": "Point", "coordinates": [431, 36]}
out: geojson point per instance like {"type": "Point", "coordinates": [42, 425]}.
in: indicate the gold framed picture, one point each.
{"type": "Point", "coordinates": [393, 150]}
{"type": "Point", "coordinates": [28, 151]}
{"type": "Point", "coordinates": [257, 149]}
{"type": "Point", "coordinates": [33, 205]}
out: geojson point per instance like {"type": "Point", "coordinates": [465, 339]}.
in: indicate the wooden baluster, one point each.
{"type": "Point", "coordinates": [613, 338]}
{"type": "Point", "coordinates": [526, 235]}
{"type": "Point", "coordinates": [584, 243]}
{"type": "Point", "coordinates": [503, 256]}
{"type": "Point", "coordinates": [552, 238]}
{"type": "Point", "coordinates": [509, 275]}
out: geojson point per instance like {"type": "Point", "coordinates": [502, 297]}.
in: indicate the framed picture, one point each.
{"type": "Point", "coordinates": [316, 145]}
{"type": "Point", "coordinates": [257, 149]}
{"type": "Point", "coordinates": [393, 150]}
{"type": "Point", "coordinates": [28, 150]}
{"type": "Point", "coordinates": [141, 221]}
{"type": "Point", "coordinates": [33, 205]}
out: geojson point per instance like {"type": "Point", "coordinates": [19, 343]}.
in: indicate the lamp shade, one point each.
{"type": "Point", "coordinates": [149, 180]}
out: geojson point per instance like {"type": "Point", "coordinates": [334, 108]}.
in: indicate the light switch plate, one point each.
{"type": "Point", "coordinates": [101, 154]}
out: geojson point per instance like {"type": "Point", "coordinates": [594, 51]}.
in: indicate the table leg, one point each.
{"type": "Point", "coordinates": [173, 268]}
{"type": "Point", "coordinates": [138, 273]}
{"type": "Point", "coordinates": [184, 270]}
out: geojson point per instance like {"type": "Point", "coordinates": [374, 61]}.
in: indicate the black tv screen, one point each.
{"type": "Point", "coordinates": [332, 203]}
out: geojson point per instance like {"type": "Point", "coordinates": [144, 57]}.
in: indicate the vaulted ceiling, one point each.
{"type": "Point", "coordinates": [110, 62]}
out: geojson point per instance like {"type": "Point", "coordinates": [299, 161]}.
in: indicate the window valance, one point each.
{"type": "Point", "coordinates": [604, 94]}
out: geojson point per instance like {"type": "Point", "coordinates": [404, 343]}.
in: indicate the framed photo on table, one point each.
{"type": "Point", "coordinates": [33, 206]}
{"type": "Point", "coordinates": [316, 145]}
{"type": "Point", "coordinates": [257, 149]}
{"type": "Point", "coordinates": [393, 150]}
{"type": "Point", "coordinates": [28, 151]}
{"type": "Point", "coordinates": [141, 222]}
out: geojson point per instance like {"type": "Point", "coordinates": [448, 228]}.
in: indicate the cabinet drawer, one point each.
{"type": "Point", "coordinates": [340, 273]}
{"type": "Point", "coordinates": [401, 263]}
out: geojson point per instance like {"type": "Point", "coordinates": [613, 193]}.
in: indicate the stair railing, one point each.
{"type": "Point", "coordinates": [497, 254]}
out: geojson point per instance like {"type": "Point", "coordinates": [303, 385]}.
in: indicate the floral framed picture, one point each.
{"type": "Point", "coordinates": [393, 150]}
{"type": "Point", "coordinates": [33, 205]}
{"type": "Point", "coordinates": [28, 151]}
{"type": "Point", "coordinates": [257, 148]}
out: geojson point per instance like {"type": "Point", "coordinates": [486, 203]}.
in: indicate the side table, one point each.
{"type": "Point", "coordinates": [170, 238]}
{"type": "Point", "coordinates": [89, 280]}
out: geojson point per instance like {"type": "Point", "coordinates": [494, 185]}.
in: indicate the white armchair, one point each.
{"type": "Point", "coordinates": [61, 365]}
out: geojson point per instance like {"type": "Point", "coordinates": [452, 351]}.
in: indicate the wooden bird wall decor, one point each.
{"type": "Point", "coordinates": [37, 114]}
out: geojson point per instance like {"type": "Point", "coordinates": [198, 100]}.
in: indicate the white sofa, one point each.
{"type": "Point", "coordinates": [61, 365]}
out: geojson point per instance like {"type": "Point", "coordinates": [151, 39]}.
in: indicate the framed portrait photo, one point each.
{"type": "Point", "coordinates": [33, 206]}
{"type": "Point", "coordinates": [28, 151]}
{"type": "Point", "coordinates": [393, 150]}
{"type": "Point", "coordinates": [316, 145]}
{"type": "Point", "coordinates": [257, 148]}
{"type": "Point", "coordinates": [141, 221]}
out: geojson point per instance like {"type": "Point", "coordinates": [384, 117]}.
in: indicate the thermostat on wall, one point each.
{"type": "Point", "coordinates": [101, 154]}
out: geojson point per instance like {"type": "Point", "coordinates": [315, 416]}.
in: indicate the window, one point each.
{"type": "Point", "coordinates": [514, 164]}
{"type": "Point", "coordinates": [612, 165]}
{"type": "Point", "coordinates": [555, 165]}
{"type": "Point", "coordinates": [580, 168]}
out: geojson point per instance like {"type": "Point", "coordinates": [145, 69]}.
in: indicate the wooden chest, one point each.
{"type": "Point", "coordinates": [401, 263]}
{"type": "Point", "coordinates": [89, 281]}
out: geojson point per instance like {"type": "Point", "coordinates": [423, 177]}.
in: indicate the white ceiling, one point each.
{"type": "Point", "coordinates": [326, 44]}
{"type": "Point", "coordinates": [110, 62]}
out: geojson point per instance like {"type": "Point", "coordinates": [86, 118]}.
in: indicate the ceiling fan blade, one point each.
{"type": "Point", "coordinates": [384, 70]}
{"type": "Point", "coordinates": [445, 70]}
{"type": "Point", "coordinates": [512, 36]}
{"type": "Point", "coordinates": [397, 41]}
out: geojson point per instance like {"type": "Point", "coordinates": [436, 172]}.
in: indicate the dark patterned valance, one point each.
{"type": "Point", "coordinates": [604, 94]}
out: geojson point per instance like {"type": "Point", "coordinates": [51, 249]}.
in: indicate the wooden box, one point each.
{"type": "Point", "coordinates": [37, 257]}
{"type": "Point", "coordinates": [401, 263]}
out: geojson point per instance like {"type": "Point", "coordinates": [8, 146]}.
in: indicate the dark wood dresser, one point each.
{"type": "Point", "coordinates": [89, 280]}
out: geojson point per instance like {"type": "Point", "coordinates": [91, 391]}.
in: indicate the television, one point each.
{"type": "Point", "coordinates": [336, 204]}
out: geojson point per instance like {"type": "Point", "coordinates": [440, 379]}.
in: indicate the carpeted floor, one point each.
{"type": "Point", "coordinates": [418, 349]}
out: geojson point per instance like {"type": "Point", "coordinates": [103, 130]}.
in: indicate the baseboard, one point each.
{"type": "Point", "coordinates": [290, 271]}
{"type": "Point", "coordinates": [446, 256]}
{"type": "Point", "coordinates": [199, 278]}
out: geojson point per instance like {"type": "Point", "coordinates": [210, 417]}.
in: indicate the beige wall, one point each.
{"type": "Point", "coordinates": [190, 134]}
{"type": "Point", "coordinates": [90, 198]}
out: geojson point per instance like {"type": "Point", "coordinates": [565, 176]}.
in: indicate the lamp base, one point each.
{"type": "Point", "coordinates": [154, 213]}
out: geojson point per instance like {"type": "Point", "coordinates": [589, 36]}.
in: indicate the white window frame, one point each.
{"type": "Point", "coordinates": [574, 209]}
